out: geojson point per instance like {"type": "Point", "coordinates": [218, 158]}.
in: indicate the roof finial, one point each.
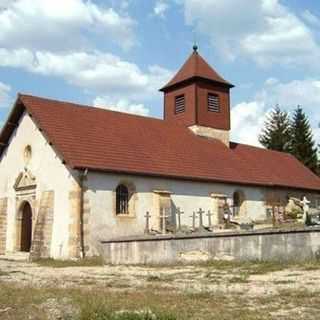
{"type": "Point", "coordinates": [195, 48]}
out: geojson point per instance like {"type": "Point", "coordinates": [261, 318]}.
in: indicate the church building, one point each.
{"type": "Point", "coordinates": [72, 176]}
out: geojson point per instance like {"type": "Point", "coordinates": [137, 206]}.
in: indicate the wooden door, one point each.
{"type": "Point", "coordinates": [26, 228]}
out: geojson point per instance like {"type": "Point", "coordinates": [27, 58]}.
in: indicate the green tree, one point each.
{"type": "Point", "coordinates": [302, 142]}
{"type": "Point", "coordinates": [276, 132]}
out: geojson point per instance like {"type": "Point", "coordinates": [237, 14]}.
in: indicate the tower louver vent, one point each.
{"type": "Point", "coordinates": [213, 103]}
{"type": "Point", "coordinates": [180, 104]}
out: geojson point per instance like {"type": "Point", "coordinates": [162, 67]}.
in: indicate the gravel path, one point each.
{"type": "Point", "coordinates": [181, 278]}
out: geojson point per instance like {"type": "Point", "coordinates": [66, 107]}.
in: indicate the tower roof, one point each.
{"type": "Point", "coordinates": [196, 67]}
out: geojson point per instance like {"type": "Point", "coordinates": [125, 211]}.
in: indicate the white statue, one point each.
{"type": "Point", "coordinates": [305, 206]}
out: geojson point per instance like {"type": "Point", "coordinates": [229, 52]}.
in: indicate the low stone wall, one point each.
{"type": "Point", "coordinates": [298, 244]}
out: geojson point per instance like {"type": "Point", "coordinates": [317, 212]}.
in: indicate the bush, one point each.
{"type": "Point", "coordinates": [100, 309]}
{"type": "Point", "coordinates": [103, 314]}
{"type": "Point", "coordinates": [295, 213]}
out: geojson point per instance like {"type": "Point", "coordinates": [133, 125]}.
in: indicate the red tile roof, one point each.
{"type": "Point", "coordinates": [195, 67]}
{"type": "Point", "coordinates": [98, 139]}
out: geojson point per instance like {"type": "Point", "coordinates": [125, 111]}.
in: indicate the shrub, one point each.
{"type": "Point", "coordinates": [96, 308]}
{"type": "Point", "coordinates": [104, 314]}
{"type": "Point", "coordinates": [295, 213]}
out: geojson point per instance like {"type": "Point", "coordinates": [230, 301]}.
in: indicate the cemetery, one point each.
{"type": "Point", "coordinates": [289, 229]}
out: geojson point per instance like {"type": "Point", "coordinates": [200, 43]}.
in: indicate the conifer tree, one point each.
{"type": "Point", "coordinates": [302, 143]}
{"type": "Point", "coordinates": [276, 132]}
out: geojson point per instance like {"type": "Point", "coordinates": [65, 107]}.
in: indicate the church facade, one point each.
{"type": "Point", "coordinates": [72, 176]}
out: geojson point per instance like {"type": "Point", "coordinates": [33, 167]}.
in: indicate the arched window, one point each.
{"type": "Point", "coordinates": [122, 199]}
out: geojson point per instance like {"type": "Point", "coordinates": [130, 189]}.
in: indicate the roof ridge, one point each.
{"type": "Point", "coordinates": [196, 62]}
{"type": "Point", "coordinates": [260, 148]}
{"type": "Point", "coordinates": [89, 107]}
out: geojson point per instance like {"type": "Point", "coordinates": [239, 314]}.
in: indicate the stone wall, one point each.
{"type": "Point", "coordinates": [42, 235]}
{"type": "Point", "coordinates": [74, 225]}
{"type": "Point", "coordinates": [222, 135]}
{"type": "Point", "coordinates": [3, 224]}
{"type": "Point", "coordinates": [300, 244]}
{"type": "Point", "coordinates": [86, 222]}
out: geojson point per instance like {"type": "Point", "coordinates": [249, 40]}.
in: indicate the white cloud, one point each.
{"type": "Point", "coordinates": [311, 18]}
{"type": "Point", "coordinates": [297, 92]}
{"type": "Point", "coordinates": [39, 37]}
{"type": "Point", "coordinates": [101, 73]}
{"type": "Point", "coordinates": [122, 105]}
{"type": "Point", "coordinates": [263, 30]}
{"type": "Point", "coordinates": [4, 3]}
{"type": "Point", "coordinates": [248, 117]}
{"type": "Point", "coordinates": [61, 25]}
{"type": "Point", "coordinates": [160, 8]}
{"type": "Point", "coordinates": [247, 120]}
{"type": "Point", "coordinates": [4, 95]}
{"type": "Point", "coordinates": [59, 39]}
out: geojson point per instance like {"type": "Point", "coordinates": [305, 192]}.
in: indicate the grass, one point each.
{"type": "Point", "coordinates": [105, 304]}
{"type": "Point", "coordinates": [153, 278]}
{"type": "Point", "coordinates": [162, 278]}
{"type": "Point", "coordinates": [261, 267]}
{"type": "Point", "coordinates": [284, 282]}
{"type": "Point", "coordinates": [120, 300]}
{"type": "Point", "coordinates": [87, 262]}
{"type": "Point", "coordinates": [4, 273]}
{"type": "Point", "coordinates": [239, 279]}
{"type": "Point", "coordinates": [99, 310]}
{"type": "Point", "coordinates": [253, 267]}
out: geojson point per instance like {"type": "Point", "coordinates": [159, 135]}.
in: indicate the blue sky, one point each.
{"type": "Point", "coordinates": [118, 53]}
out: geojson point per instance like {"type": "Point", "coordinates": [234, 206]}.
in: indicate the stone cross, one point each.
{"type": "Point", "coordinates": [200, 213]}
{"type": "Point", "coordinates": [147, 228]}
{"type": "Point", "coordinates": [163, 217]}
{"type": "Point", "coordinates": [306, 207]}
{"type": "Point", "coordinates": [209, 215]}
{"type": "Point", "coordinates": [179, 214]}
{"type": "Point", "coordinates": [194, 217]}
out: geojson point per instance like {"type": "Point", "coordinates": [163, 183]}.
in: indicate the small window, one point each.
{"type": "Point", "coordinates": [122, 199]}
{"type": "Point", "coordinates": [27, 154]}
{"type": "Point", "coordinates": [180, 104]}
{"type": "Point", "coordinates": [213, 103]}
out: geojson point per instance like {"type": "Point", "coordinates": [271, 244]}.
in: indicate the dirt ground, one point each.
{"type": "Point", "coordinates": [288, 291]}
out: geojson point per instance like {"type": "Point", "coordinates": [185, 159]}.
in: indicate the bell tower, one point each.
{"type": "Point", "coordinates": [199, 98]}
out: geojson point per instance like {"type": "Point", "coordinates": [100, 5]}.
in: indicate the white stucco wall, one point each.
{"type": "Point", "coordinates": [186, 195]}
{"type": "Point", "coordinates": [50, 174]}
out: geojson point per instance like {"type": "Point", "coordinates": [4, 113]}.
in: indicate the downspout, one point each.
{"type": "Point", "coordinates": [82, 176]}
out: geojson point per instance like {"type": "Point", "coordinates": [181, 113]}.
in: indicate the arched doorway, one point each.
{"type": "Point", "coordinates": [26, 227]}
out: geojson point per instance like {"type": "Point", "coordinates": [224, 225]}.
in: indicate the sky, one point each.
{"type": "Point", "coordinates": [116, 54]}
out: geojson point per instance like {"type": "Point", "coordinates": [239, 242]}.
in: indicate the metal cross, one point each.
{"type": "Point", "coordinates": [200, 213]}
{"type": "Point", "coordinates": [163, 221]}
{"type": "Point", "coordinates": [179, 213]}
{"type": "Point", "coordinates": [147, 228]}
{"type": "Point", "coordinates": [209, 215]}
{"type": "Point", "coordinates": [194, 217]}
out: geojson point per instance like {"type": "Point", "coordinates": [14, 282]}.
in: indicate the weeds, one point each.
{"type": "Point", "coordinates": [87, 262]}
